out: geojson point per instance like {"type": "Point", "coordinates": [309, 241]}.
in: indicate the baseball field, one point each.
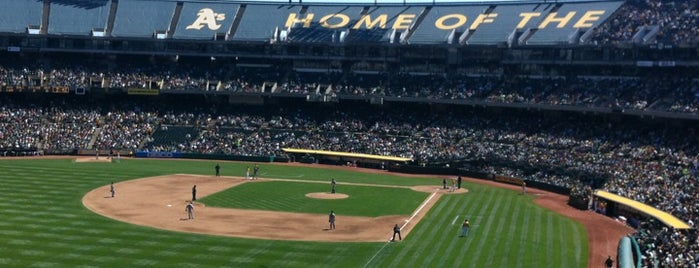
{"type": "Point", "coordinates": [45, 222]}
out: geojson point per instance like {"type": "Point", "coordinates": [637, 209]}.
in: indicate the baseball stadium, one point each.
{"type": "Point", "coordinates": [457, 133]}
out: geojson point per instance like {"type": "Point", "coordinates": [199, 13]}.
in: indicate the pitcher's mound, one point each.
{"type": "Point", "coordinates": [327, 195]}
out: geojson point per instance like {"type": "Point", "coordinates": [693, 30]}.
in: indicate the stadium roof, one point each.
{"type": "Point", "coordinates": [415, 22]}
{"type": "Point", "coordinates": [382, 2]}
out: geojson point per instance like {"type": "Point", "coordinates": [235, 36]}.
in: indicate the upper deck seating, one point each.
{"type": "Point", "coordinates": [77, 17]}
{"type": "Point", "coordinates": [260, 21]}
{"type": "Point", "coordinates": [15, 16]}
{"type": "Point", "coordinates": [138, 18]}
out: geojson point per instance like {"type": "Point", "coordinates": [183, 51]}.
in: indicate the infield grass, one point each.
{"type": "Point", "coordinates": [291, 196]}
{"type": "Point", "coordinates": [45, 224]}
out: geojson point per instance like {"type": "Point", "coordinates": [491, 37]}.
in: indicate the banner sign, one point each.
{"type": "Point", "coordinates": [36, 89]}
{"type": "Point", "coordinates": [143, 91]}
{"type": "Point", "coordinates": [146, 154]}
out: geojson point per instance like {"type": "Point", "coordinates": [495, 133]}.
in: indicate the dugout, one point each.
{"type": "Point", "coordinates": [344, 158]}
{"type": "Point", "coordinates": [619, 205]}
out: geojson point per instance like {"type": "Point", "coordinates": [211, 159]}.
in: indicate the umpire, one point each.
{"type": "Point", "coordinates": [194, 193]}
{"type": "Point", "coordinates": [396, 231]}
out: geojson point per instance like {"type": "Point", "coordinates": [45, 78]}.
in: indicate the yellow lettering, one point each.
{"type": "Point", "coordinates": [344, 20]}
{"type": "Point", "coordinates": [562, 21]}
{"type": "Point", "coordinates": [588, 18]}
{"type": "Point", "coordinates": [366, 19]}
{"type": "Point", "coordinates": [292, 20]}
{"type": "Point", "coordinates": [209, 17]}
{"type": "Point", "coordinates": [441, 22]}
{"type": "Point", "coordinates": [526, 16]}
{"type": "Point", "coordinates": [403, 21]}
{"type": "Point", "coordinates": [483, 18]}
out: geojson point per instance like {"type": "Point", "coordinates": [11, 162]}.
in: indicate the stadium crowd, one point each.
{"type": "Point", "coordinates": [668, 91]}
{"type": "Point", "coordinates": [677, 22]}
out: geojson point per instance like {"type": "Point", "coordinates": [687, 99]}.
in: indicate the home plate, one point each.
{"type": "Point", "coordinates": [169, 205]}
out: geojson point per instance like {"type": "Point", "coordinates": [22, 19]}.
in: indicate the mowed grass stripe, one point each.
{"type": "Point", "coordinates": [556, 241]}
{"type": "Point", "coordinates": [536, 225]}
{"type": "Point", "coordinates": [499, 225]}
{"type": "Point", "coordinates": [510, 225]}
{"type": "Point", "coordinates": [578, 239]}
{"type": "Point", "coordinates": [559, 243]}
{"type": "Point", "coordinates": [484, 229]}
{"type": "Point", "coordinates": [547, 241]}
{"type": "Point", "coordinates": [522, 238]}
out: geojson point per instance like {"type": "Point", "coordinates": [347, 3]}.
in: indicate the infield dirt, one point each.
{"type": "Point", "coordinates": [160, 202]}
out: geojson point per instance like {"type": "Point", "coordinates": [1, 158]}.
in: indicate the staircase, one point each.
{"type": "Point", "coordinates": [91, 144]}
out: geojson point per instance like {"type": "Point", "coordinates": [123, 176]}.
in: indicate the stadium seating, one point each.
{"type": "Point", "coordinates": [168, 138]}
{"type": "Point", "coordinates": [142, 18]}
{"type": "Point", "coordinates": [16, 16]}
{"type": "Point", "coordinates": [73, 18]}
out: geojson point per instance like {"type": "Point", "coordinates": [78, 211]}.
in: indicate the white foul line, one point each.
{"type": "Point", "coordinates": [424, 203]}
{"type": "Point", "coordinates": [455, 218]}
{"type": "Point", "coordinates": [377, 253]}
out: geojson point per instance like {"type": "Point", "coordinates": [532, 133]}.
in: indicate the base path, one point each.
{"type": "Point", "coordinates": [160, 202]}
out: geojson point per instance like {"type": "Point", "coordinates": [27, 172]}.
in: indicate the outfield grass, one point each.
{"type": "Point", "coordinates": [45, 225]}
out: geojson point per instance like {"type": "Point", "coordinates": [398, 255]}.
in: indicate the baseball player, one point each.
{"type": "Point", "coordinates": [190, 210]}
{"type": "Point", "coordinates": [331, 220]}
{"type": "Point", "coordinates": [464, 228]}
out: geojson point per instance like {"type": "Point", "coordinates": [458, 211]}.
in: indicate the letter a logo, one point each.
{"type": "Point", "coordinates": [208, 17]}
